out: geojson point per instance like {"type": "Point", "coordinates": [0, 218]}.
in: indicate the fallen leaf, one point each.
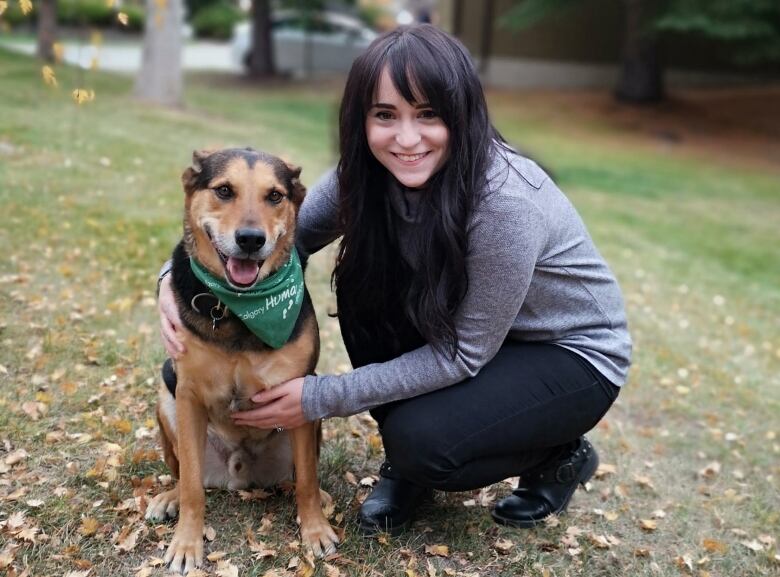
{"type": "Point", "coordinates": [127, 542]}
{"type": "Point", "coordinates": [648, 524]}
{"type": "Point", "coordinates": [226, 569]}
{"type": "Point", "coordinates": [437, 550]}
{"type": "Point", "coordinates": [216, 556]}
{"type": "Point", "coordinates": [331, 570]}
{"type": "Point", "coordinates": [16, 457]}
{"type": "Point", "coordinates": [684, 562]}
{"type": "Point", "coordinates": [210, 533]}
{"type": "Point", "coordinates": [503, 546]}
{"type": "Point", "coordinates": [752, 545]}
{"type": "Point", "coordinates": [711, 471]}
{"type": "Point", "coordinates": [714, 546]}
{"type": "Point", "coordinates": [28, 534]}
{"type": "Point", "coordinates": [16, 520]}
{"type": "Point", "coordinates": [48, 76]}
{"type": "Point", "coordinates": [605, 469]}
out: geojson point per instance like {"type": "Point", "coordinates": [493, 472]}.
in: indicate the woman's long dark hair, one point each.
{"type": "Point", "coordinates": [377, 291]}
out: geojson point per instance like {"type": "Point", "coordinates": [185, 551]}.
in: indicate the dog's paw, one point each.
{"type": "Point", "coordinates": [163, 506]}
{"type": "Point", "coordinates": [185, 552]}
{"type": "Point", "coordinates": [320, 537]}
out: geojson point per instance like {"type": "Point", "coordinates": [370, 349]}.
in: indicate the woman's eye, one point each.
{"type": "Point", "coordinates": [223, 192]}
{"type": "Point", "coordinates": [428, 114]}
{"type": "Point", "coordinates": [384, 115]}
{"type": "Point", "coordinates": [275, 196]}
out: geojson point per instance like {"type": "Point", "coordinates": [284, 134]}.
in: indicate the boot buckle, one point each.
{"type": "Point", "coordinates": [565, 473]}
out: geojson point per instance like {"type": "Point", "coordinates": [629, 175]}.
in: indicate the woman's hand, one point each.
{"type": "Point", "coordinates": [170, 322]}
{"type": "Point", "coordinates": [279, 406]}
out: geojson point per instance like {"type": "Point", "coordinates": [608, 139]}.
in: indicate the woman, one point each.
{"type": "Point", "coordinates": [486, 332]}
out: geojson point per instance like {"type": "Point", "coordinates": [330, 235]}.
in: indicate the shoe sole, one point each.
{"type": "Point", "coordinates": [585, 475]}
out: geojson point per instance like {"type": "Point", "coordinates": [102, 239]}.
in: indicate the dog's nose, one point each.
{"type": "Point", "coordinates": [250, 239]}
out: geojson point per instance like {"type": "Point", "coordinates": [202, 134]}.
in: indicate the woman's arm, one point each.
{"type": "Point", "coordinates": [507, 236]}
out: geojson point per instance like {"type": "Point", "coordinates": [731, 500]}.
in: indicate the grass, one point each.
{"type": "Point", "coordinates": [92, 206]}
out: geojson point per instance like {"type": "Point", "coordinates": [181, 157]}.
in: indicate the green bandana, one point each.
{"type": "Point", "coordinates": [270, 308]}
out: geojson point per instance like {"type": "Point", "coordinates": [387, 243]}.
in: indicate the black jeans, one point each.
{"type": "Point", "coordinates": [527, 404]}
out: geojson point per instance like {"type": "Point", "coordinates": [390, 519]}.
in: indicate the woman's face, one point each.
{"type": "Point", "coordinates": [409, 140]}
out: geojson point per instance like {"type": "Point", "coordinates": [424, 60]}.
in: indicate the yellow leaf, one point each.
{"type": "Point", "coordinates": [216, 556]}
{"type": "Point", "coordinates": [122, 18]}
{"type": "Point", "coordinates": [26, 6]}
{"type": "Point", "coordinates": [3, 7]}
{"type": "Point", "coordinates": [110, 3]}
{"type": "Point", "coordinates": [82, 95]}
{"type": "Point", "coordinates": [123, 426]}
{"type": "Point", "coordinates": [89, 526]}
{"type": "Point", "coordinates": [439, 550]}
{"type": "Point", "coordinates": [48, 76]}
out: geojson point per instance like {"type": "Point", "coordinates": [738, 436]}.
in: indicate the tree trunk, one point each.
{"type": "Point", "coordinates": [161, 79]}
{"type": "Point", "coordinates": [47, 29]}
{"type": "Point", "coordinates": [261, 58]}
{"type": "Point", "coordinates": [641, 74]}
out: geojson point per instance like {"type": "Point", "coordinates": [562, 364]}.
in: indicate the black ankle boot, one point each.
{"type": "Point", "coordinates": [390, 506]}
{"type": "Point", "coordinates": [546, 489]}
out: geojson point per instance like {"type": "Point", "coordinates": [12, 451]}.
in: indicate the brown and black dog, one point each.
{"type": "Point", "coordinates": [239, 224]}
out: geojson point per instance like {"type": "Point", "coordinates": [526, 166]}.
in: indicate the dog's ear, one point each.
{"type": "Point", "coordinates": [190, 176]}
{"type": "Point", "coordinates": [298, 190]}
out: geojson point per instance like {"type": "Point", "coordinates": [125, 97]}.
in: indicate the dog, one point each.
{"type": "Point", "coordinates": [240, 214]}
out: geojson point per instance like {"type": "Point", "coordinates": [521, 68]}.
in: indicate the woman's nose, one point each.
{"type": "Point", "coordinates": [408, 136]}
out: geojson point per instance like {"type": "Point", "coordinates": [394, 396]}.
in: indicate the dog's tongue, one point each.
{"type": "Point", "coordinates": [242, 271]}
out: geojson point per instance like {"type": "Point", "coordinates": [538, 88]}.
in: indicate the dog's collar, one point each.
{"type": "Point", "coordinates": [270, 309]}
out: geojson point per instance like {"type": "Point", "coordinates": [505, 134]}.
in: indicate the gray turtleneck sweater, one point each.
{"type": "Point", "coordinates": [534, 275]}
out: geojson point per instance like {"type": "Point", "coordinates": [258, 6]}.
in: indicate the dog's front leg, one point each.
{"type": "Point", "coordinates": [316, 532]}
{"type": "Point", "coordinates": [186, 549]}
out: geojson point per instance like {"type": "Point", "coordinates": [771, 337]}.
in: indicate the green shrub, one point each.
{"type": "Point", "coordinates": [216, 20]}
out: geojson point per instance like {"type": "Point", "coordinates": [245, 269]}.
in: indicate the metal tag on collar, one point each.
{"type": "Point", "coordinates": [214, 318]}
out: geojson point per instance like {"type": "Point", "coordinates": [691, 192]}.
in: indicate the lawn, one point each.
{"type": "Point", "coordinates": [682, 200]}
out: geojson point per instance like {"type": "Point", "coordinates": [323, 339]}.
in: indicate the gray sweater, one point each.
{"type": "Point", "coordinates": [534, 275]}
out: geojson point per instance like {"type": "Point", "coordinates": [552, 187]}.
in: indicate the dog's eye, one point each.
{"type": "Point", "coordinates": [275, 196]}
{"type": "Point", "coordinates": [224, 192]}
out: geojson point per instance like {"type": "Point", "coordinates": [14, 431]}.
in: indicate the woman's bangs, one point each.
{"type": "Point", "coordinates": [417, 76]}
